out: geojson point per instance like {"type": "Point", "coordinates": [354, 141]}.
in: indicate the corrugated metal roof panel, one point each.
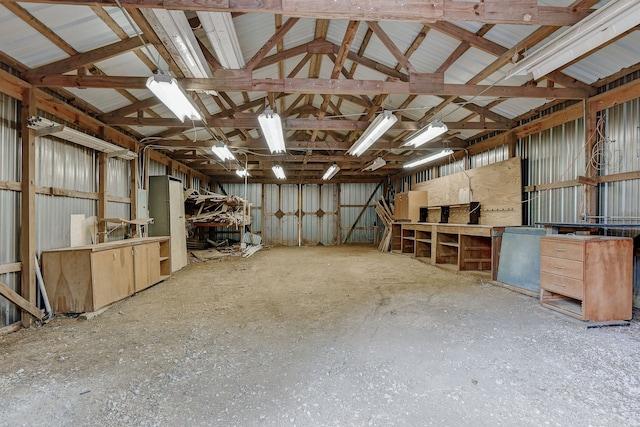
{"type": "Point", "coordinates": [433, 52]}
{"type": "Point", "coordinates": [102, 99]}
{"type": "Point", "coordinates": [472, 62]}
{"type": "Point", "coordinates": [512, 108]}
{"type": "Point", "coordinates": [126, 64]}
{"type": "Point", "coordinates": [609, 60]}
{"type": "Point", "coordinates": [508, 35]}
{"type": "Point", "coordinates": [74, 24]}
{"type": "Point", "coordinates": [24, 43]}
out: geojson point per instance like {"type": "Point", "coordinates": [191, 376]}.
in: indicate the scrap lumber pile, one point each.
{"type": "Point", "coordinates": [386, 216]}
{"type": "Point", "coordinates": [216, 208]}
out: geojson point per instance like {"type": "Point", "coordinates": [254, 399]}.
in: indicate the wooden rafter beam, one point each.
{"type": "Point", "coordinates": [490, 11]}
{"type": "Point", "coordinates": [83, 59]}
{"type": "Point", "coordinates": [250, 121]}
{"type": "Point", "coordinates": [234, 80]}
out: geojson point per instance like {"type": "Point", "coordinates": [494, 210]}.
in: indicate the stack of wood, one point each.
{"type": "Point", "coordinates": [386, 216]}
{"type": "Point", "coordinates": [216, 208]}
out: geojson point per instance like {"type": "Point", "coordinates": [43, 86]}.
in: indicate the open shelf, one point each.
{"type": "Point", "coordinates": [562, 303]}
{"type": "Point", "coordinates": [457, 247]}
{"type": "Point", "coordinates": [408, 241]}
{"type": "Point", "coordinates": [476, 253]}
{"type": "Point", "coordinates": [396, 237]}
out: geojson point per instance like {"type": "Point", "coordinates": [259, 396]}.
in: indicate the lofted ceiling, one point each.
{"type": "Point", "coordinates": [328, 68]}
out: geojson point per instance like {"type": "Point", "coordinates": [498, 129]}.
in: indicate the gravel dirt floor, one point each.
{"type": "Point", "coordinates": [321, 336]}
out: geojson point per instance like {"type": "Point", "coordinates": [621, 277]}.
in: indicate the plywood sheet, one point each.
{"type": "Point", "coordinates": [498, 188]}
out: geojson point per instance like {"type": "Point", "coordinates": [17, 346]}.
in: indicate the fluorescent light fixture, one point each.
{"type": "Point", "coordinates": [279, 172]}
{"type": "Point", "coordinates": [167, 90]}
{"type": "Point", "coordinates": [426, 134]}
{"type": "Point", "coordinates": [331, 172]}
{"type": "Point", "coordinates": [376, 164]}
{"type": "Point", "coordinates": [242, 172]}
{"type": "Point", "coordinates": [425, 160]}
{"type": "Point", "coordinates": [44, 127]}
{"type": "Point", "coordinates": [223, 152]}
{"type": "Point", "coordinates": [219, 28]}
{"type": "Point", "coordinates": [609, 21]}
{"type": "Point", "coordinates": [175, 33]}
{"type": "Point", "coordinates": [376, 129]}
{"type": "Point", "coordinates": [272, 130]}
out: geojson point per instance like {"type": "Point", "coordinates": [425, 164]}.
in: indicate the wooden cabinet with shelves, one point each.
{"type": "Point", "coordinates": [587, 277]}
{"type": "Point", "coordinates": [423, 244]}
{"type": "Point", "coordinates": [396, 237]}
{"type": "Point", "coordinates": [471, 248]}
{"type": "Point", "coordinates": [88, 278]}
{"type": "Point", "coordinates": [408, 241]}
{"type": "Point", "coordinates": [447, 248]}
{"type": "Point", "coordinates": [475, 252]}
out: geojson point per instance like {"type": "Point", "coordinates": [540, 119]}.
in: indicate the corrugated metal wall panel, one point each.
{"type": "Point", "coordinates": [310, 206]}
{"type": "Point", "coordinates": [118, 181]}
{"type": "Point", "coordinates": [289, 207]}
{"type": "Point", "coordinates": [53, 228]}
{"type": "Point", "coordinates": [310, 227]}
{"type": "Point", "coordinates": [65, 165]}
{"type": "Point", "coordinates": [9, 312]}
{"type": "Point", "coordinates": [353, 198]}
{"type": "Point", "coordinates": [10, 252]}
{"type": "Point", "coordinates": [289, 198]}
{"type": "Point", "coordinates": [623, 137]}
{"type": "Point", "coordinates": [329, 231]}
{"type": "Point", "coordinates": [329, 198]}
{"type": "Point", "coordinates": [156, 168]}
{"type": "Point", "coordinates": [556, 205]}
{"type": "Point", "coordinates": [486, 158]}
{"type": "Point", "coordinates": [253, 196]}
{"type": "Point", "coordinates": [620, 204]}
{"type": "Point", "coordinates": [451, 168]}
{"type": "Point", "coordinates": [271, 198]}
{"type": "Point", "coordinates": [310, 198]}
{"type": "Point", "coordinates": [289, 230]}
{"type": "Point", "coordinates": [182, 177]}
{"type": "Point", "coordinates": [10, 226]}
{"type": "Point", "coordinates": [195, 183]}
{"type": "Point", "coordinates": [118, 210]}
{"type": "Point", "coordinates": [10, 170]}
{"type": "Point", "coordinates": [554, 155]}
{"type": "Point", "coordinates": [9, 142]}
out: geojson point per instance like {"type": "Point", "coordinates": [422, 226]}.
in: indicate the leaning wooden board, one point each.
{"type": "Point", "coordinates": [88, 278]}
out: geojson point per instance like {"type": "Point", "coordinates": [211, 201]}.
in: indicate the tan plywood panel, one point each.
{"type": "Point", "coordinates": [498, 188]}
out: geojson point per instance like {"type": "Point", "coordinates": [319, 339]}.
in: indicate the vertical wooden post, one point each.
{"type": "Point", "coordinates": [511, 144]}
{"type": "Point", "coordinates": [591, 139]}
{"type": "Point", "coordinates": [28, 214]}
{"type": "Point", "coordinates": [262, 214]}
{"type": "Point", "coordinates": [133, 193]}
{"type": "Point", "coordinates": [299, 214]}
{"type": "Point", "coordinates": [103, 164]}
{"type": "Point", "coordinates": [339, 217]}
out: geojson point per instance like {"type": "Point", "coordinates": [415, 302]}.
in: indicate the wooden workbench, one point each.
{"type": "Point", "coordinates": [458, 247]}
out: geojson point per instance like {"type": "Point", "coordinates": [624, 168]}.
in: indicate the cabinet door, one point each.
{"type": "Point", "coordinates": [146, 265]}
{"type": "Point", "coordinates": [178, 229]}
{"type": "Point", "coordinates": [68, 280]}
{"type": "Point", "coordinates": [112, 275]}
